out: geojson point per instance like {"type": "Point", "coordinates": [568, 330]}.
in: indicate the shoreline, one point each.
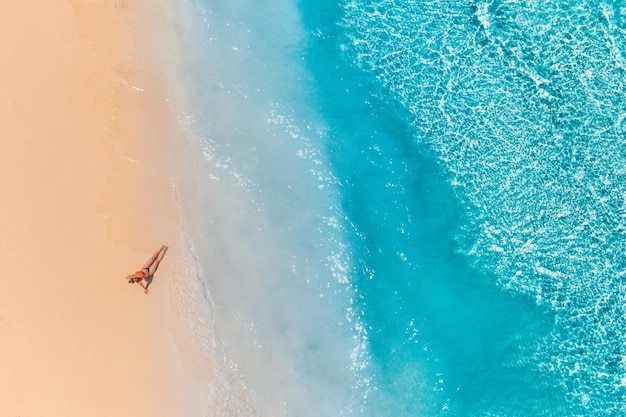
{"type": "Point", "coordinates": [87, 198]}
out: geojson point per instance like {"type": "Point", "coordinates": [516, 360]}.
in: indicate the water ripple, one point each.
{"type": "Point", "coordinates": [524, 103]}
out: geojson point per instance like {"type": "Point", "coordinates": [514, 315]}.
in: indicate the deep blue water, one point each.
{"type": "Point", "coordinates": [414, 208]}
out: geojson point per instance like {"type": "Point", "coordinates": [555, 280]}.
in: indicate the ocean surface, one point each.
{"type": "Point", "coordinates": [405, 207]}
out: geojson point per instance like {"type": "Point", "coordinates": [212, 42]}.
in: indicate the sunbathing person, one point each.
{"type": "Point", "coordinates": [147, 272]}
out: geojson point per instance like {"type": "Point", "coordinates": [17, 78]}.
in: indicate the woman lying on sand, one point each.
{"type": "Point", "coordinates": [147, 272]}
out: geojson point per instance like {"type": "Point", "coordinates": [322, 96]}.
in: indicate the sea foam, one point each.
{"type": "Point", "coordinates": [263, 215]}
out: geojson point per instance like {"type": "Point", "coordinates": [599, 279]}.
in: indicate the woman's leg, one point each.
{"type": "Point", "coordinates": [150, 261]}
{"type": "Point", "coordinates": [156, 260]}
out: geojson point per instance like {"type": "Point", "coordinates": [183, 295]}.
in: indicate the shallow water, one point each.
{"type": "Point", "coordinates": [410, 208]}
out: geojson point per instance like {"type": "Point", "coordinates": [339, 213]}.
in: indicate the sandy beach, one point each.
{"type": "Point", "coordinates": [85, 199]}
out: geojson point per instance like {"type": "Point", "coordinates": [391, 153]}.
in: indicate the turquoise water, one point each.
{"type": "Point", "coordinates": [410, 208]}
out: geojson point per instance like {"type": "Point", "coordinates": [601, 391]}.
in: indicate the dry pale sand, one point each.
{"type": "Point", "coordinates": [85, 199]}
